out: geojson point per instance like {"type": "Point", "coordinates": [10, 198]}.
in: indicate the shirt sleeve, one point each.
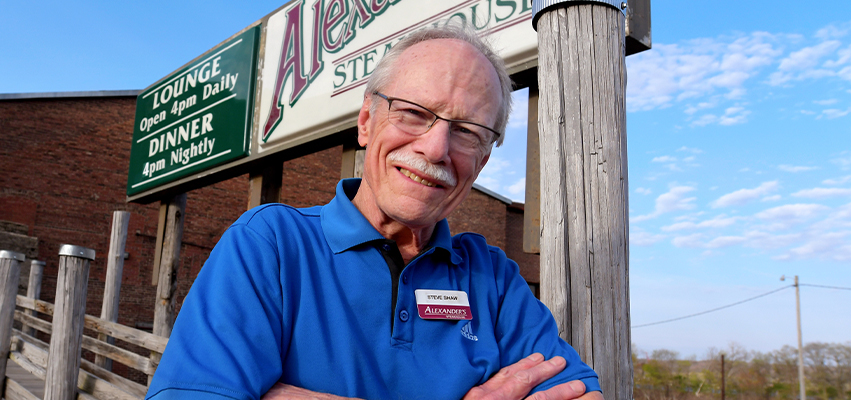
{"type": "Point", "coordinates": [526, 326]}
{"type": "Point", "coordinates": [226, 341]}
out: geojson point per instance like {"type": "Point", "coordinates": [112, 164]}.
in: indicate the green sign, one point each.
{"type": "Point", "coordinates": [197, 118]}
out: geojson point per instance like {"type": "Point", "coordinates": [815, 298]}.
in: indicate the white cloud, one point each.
{"type": "Point", "coordinates": [696, 68]}
{"type": "Point", "coordinates": [642, 238]}
{"type": "Point", "coordinates": [837, 181]}
{"type": "Point", "coordinates": [843, 162]}
{"type": "Point", "coordinates": [795, 168]}
{"type": "Point", "coordinates": [690, 150]}
{"type": "Point", "coordinates": [691, 109]}
{"type": "Point", "coordinates": [825, 102]}
{"type": "Point", "coordinates": [518, 187]}
{"type": "Point", "coordinates": [734, 115]}
{"type": "Point", "coordinates": [720, 221]}
{"type": "Point", "coordinates": [809, 63]}
{"type": "Point", "coordinates": [808, 57]}
{"type": "Point", "coordinates": [843, 57]}
{"type": "Point", "coordinates": [830, 245]}
{"type": "Point", "coordinates": [663, 159]}
{"type": "Point", "coordinates": [642, 190]}
{"type": "Point", "coordinates": [772, 198]}
{"type": "Point", "coordinates": [495, 166]}
{"type": "Point", "coordinates": [768, 241]}
{"type": "Point", "coordinates": [792, 213]}
{"type": "Point", "coordinates": [704, 120]}
{"type": "Point", "coordinates": [743, 196]}
{"type": "Point", "coordinates": [821, 193]}
{"type": "Point", "coordinates": [691, 241]}
{"type": "Point", "coordinates": [673, 200]}
{"type": "Point", "coordinates": [519, 116]}
{"type": "Point", "coordinates": [488, 182]}
{"type": "Point", "coordinates": [832, 113]}
{"type": "Point", "coordinates": [725, 241]}
{"type": "Point", "coordinates": [833, 31]}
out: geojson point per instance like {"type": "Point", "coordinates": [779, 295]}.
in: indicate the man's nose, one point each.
{"type": "Point", "coordinates": [435, 143]}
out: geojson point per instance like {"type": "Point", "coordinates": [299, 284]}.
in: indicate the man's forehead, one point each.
{"type": "Point", "coordinates": [441, 66]}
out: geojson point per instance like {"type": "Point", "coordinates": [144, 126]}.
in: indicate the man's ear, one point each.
{"type": "Point", "coordinates": [364, 120]}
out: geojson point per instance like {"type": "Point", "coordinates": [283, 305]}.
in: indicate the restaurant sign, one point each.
{"type": "Point", "coordinates": [310, 60]}
{"type": "Point", "coordinates": [320, 54]}
{"type": "Point", "coordinates": [199, 117]}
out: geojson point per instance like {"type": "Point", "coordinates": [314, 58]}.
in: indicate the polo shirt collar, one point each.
{"type": "Point", "coordinates": [345, 227]}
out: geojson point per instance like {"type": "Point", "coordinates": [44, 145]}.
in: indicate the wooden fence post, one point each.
{"type": "Point", "coordinates": [264, 184]}
{"type": "Point", "coordinates": [10, 272]}
{"type": "Point", "coordinates": [532, 208]}
{"type": "Point", "coordinates": [63, 361]}
{"type": "Point", "coordinates": [584, 212]}
{"type": "Point", "coordinates": [34, 290]}
{"type": "Point", "coordinates": [114, 270]}
{"type": "Point", "coordinates": [352, 162]}
{"type": "Point", "coordinates": [164, 308]}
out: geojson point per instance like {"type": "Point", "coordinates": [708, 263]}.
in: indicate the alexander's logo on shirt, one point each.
{"type": "Point", "coordinates": [445, 312]}
{"type": "Point", "coordinates": [443, 304]}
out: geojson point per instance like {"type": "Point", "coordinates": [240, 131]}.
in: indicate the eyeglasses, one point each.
{"type": "Point", "coordinates": [415, 119]}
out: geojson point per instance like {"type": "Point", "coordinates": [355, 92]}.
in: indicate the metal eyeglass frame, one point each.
{"type": "Point", "coordinates": [389, 99]}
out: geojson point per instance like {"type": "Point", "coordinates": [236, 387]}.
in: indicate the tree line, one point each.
{"type": "Point", "coordinates": [664, 375]}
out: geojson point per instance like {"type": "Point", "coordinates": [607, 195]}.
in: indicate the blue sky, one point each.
{"type": "Point", "coordinates": [739, 142]}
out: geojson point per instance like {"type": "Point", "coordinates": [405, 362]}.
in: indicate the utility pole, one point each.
{"type": "Point", "coordinates": [723, 380]}
{"type": "Point", "coordinates": [803, 394]}
{"type": "Point", "coordinates": [800, 341]}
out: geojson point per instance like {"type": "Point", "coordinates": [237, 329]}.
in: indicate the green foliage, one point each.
{"type": "Point", "coordinates": [747, 375]}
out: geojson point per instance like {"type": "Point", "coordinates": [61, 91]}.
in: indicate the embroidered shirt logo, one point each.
{"type": "Point", "coordinates": [467, 332]}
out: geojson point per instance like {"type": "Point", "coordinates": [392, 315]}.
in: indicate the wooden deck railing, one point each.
{"type": "Point", "coordinates": [66, 375]}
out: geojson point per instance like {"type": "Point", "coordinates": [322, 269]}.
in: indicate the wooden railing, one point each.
{"type": "Point", "coordinates": [66, 375]}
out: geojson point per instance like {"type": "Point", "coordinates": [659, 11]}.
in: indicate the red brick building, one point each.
{"type": "Point", "coordinates": [63, 171]}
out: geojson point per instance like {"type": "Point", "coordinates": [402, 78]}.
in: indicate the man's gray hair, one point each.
{"type": "Point", "coordinates": [384, 71]}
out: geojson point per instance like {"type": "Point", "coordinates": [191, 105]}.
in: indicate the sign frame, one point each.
{"type": "Point", "coordinates": [198, 117]}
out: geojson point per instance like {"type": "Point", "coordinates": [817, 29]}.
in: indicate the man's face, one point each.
{"type": "Point", "coordinates": [454, 80]}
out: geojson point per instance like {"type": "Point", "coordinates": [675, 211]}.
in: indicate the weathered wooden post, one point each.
{"type": "Point", "coordinates": [10, 271]}
{"type": "Point", "coordinates": [34, 290]}
{"type": "Point", "coordinates": [167, 278]}
{"type": "Point", "coordinates": [584, 212]}
{"type": "Point", "coordinates": [114, 270]}
{"type": "Point", "coordinates": [264, 184]}
{"type": "Point", "coordinates": [63, 365]}
{"type": "Point", "coordinates": [532, 208]}
{"type": "Point", "coordinates": [164, 310]}
{"type": "Point", "coordinates": [352, 162]}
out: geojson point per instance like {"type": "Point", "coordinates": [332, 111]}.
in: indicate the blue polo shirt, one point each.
{"type": "Point", "coordinates": [305, 297]}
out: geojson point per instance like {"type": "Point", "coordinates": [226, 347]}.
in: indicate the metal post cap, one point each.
{"type": "Point", "coordinates": [76, 251]}
{"type": "Point", "coordinates": [12, 255]}
{"type": "Point", "coordinates": [37, 262]}
{"type": "Point", "coordinates": [541, 5]}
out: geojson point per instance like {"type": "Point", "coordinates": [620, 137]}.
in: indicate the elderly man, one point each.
{"type": "Point", "coordinates": [370, 296]}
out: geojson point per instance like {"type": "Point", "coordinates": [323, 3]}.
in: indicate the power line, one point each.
{"type": "Point", "coordinates": [714, 309]}
{"type": "Point", "coordinates": [826, 287]}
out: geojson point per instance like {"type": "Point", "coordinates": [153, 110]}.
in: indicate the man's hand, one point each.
{"type": "Point", "coordinates": [283, 392]}
{"type": "Point", "coordinates": [516, 380]}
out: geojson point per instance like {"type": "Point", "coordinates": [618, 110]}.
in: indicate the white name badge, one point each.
{"type": "Point", "coordinates": [443, 304]}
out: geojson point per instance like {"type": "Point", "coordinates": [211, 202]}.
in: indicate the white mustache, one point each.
{"type": "Point", "coordinates": [436, 172]}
